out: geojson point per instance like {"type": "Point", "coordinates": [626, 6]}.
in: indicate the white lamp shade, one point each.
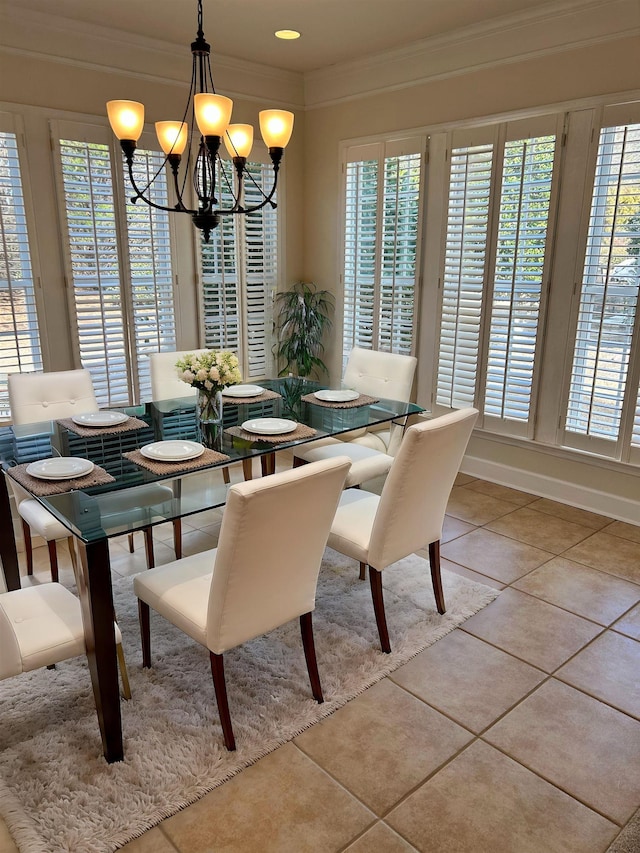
{"type": "Point", "coordinates": [239, 140]}
{"type": "Point", "coordinates": [172, 136]}
{"type": "Point", "coordinates": [213, 113]}
{"type": "Point", "coordinates": [276, 127]}
{"type": "Point", "coordinates": [126, 119]}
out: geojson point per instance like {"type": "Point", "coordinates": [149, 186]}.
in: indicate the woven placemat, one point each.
{"type": "Point", "coordinates": [96, 432]}
{"type": "Point", "coordinates": [362, 400]}
{"type": "Point", "coordinates": [209, 457]}
{"type": "Point", "coordinates": [301, 431]}
{"type": "Point", "coordinates": [43, 488]}
{"type": "Point", "coordinates": [259, 398]}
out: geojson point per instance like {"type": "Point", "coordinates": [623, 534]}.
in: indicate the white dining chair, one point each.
{"type": "Point", "coordinates": [377, 374]}
{"type": "Point", "coordinates": [42, 626]}
{"type": "Point", "coordinates": [263, 573]}
{"type": "Point", "coordinates": [379, 530]}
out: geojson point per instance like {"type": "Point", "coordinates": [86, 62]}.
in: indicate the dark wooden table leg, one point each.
{"type": "Point", "coordinates": [268, 463]}
{"type": "Point", "coordinates": [8, 551]}
{"type": "Point", "coordinates": [96, 597]}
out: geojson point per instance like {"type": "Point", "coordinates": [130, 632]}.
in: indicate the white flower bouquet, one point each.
{"type": "Point", "coordinates": [210, 371]}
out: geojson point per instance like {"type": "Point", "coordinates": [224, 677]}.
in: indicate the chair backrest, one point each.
{"type": "Point", "coordinates": [37, 397]}
{"type": "Point", "coordinates": [165, 384]}
{"type": "Point", "coordinates": [380, 374]}
{"type": "Point", "coordinates": [414, 497]}
{"type": "Point", "coordinates": [273, 535]}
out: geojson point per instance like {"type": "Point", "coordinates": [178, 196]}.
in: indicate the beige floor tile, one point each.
{"type": "Point", "coordinates": [196, 542]}
{"type": "Point", "coordinates": [7, 844]}
{"type": "Point", "coordinates": [453, 527]}
{"type": "Point", "coordinates": [624, 530]}
{"type": "Point", "coordinates": [608, 669]}
{"type": "Point", "coordinates": [587, 592]}
{"type": "Point", "coordinates": [131, 564]}
{"type": "Point", "coordinates": [450, 566]}
{"type": "Point", "coordinates": [153, 841]}
{"type": "Point", "coordinates": [474, 507]}
{"type": "Point", "coordinates": [463, 479]}
{"type": "Point", "coordinates": [483, 802]}
{"type": "Point", "coordinates": [514, 496]}
{"type": "Point", "coordinates": [541, 530]}
{"type": "Point", "coordinates": [579, 744]}
{"type": "Point", "coordinates": [610, 554]}
{"type": "Point", "coordinates": [382, 744]}
{"type": "Point", "coordinates": [468, 679]}
{"type": "Point", "coordinates": [498, 556]}
{"type": "Point", "coordinates": [380, 839]}
{"type": "Point", "coordinates": [530, 629]}
{"type": "Point", "coordinates": [283, 804]}
{"type": "Point", "coordinates": [629, 624]}
{"type": "Point", "coordinates": [571, 513]}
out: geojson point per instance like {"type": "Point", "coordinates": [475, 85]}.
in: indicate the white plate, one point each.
{"type": "Point", "coordinates": [242, 391]}
{"type": "Point", "coordinates": [342, 395]}
{"type": "Point", "coordinates": [172, 451]}
{"type": "Point", "coordinates": [269, 426]}
{"type": "Point", "coordinates": [100, 419]}
{"type": "Point", "coordinates": [60, 468]}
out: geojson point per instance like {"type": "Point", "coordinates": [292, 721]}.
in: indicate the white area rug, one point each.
{"type": "Point", "coordinates": [57, 793]}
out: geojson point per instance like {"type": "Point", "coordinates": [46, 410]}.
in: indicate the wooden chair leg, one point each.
{"type": "Point", "coordinates": [148, 547]}
{"type": "Point", "coordinates": [28, 546]}
{"type": "Point", "coordinates": [177, 537]}
{"type": "Point", "coordinates": [363, 571]}
{"type": "Point", "coordinates": [124, 675]}
{"type": "Point", "coordinates": [375, 579]}
{"type": "Point", "coordinates": [145, 633]}
{"type": "Point", "coordinates": [306, 628]}
{"type": "Point", "coordinates": [226, 476]}
{"type": "Point", "coordinates": [436, 577]}
{"type": "Point", "coordinates": [132, 546]}
{"type": "Point", "coordinates": [53, 560]}
{"type": "Point", "coordinates": [247, 469]}
{"type": "Point", "coordinates": [220, 687]}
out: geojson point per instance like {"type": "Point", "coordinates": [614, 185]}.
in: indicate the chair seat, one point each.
{"type": "Point", "coordinates": [352, 524]}
{"type": "Point", "coordinates": [365, 462]}
{"type": "Point", "coordinates": [41, 521]}
{"type": "Point", "coordinates": [375, 439]}
{"type": "Point", "coordinates": [183, 602]}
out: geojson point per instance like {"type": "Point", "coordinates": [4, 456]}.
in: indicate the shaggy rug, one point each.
{"type": "Point", "coordinates": [57, 793]}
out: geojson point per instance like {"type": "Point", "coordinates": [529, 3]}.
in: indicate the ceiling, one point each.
{"type": "Point", "coordinates": [333, 31]}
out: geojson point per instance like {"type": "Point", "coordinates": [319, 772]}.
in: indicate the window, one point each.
{"type": "Point", "coordinates": [19, 335]}
{"type": "Point", "coordinates": [498, 231]}
{"type": "Point", "coordinates": [603, 406]}
{"type": "Point", "coordinates": [382, 227]}
{"type": "Point", "coordinates": [239, 274]}
{"type": "Point", "coordinates": [119, 266]}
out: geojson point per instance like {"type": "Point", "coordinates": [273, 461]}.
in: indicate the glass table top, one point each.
{"type": "Point", "coordinates": [138, 498]}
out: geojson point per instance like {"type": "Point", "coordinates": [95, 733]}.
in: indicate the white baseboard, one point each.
{"type": "Point", "coordinates": [593, 500]}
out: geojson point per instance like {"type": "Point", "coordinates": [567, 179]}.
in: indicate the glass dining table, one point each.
{"type": "Point", "coordinates": [126, 503]}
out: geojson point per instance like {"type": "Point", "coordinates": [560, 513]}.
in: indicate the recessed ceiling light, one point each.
{"type": "Point", "coordinates": [287, 34]}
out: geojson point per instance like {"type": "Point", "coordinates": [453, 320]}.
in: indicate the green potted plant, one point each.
{"type": "Point", "coordinates": [302, 318]}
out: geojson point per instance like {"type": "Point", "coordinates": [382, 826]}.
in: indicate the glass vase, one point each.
{"type": "Point", "coordinates": [209, 417]}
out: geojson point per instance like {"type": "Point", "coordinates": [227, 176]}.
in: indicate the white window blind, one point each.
{"type": "Point", "coordinates": [119, 264]}
{"type": "Point", "coordinates": [518, 279]}
{"type": "Point", "coordinates": [381, 234]}
{"type": "Point", "coordinates": [464, 274]}
{"type": "Point", "coordinates": [603, 408]}
{"type": "Point", "coordinates": [239, 274]}
{"type": "Point", "coordinates": [19, 335]}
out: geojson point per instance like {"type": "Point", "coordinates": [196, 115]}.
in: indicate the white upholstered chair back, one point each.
{"type": "Point", "coordinates": [414, 498]}
{"type": "Point", "coordinates": [380, 374]}
{"type": "Point", "coordinates": [37, 397]}
{"type": "Point", "coordinates": [272, 539]}
{"type": "Point", "coordinates": [165, 384]}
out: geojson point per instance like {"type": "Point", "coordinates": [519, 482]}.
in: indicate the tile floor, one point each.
{"type": "Point", "coordinates": [518, 732]}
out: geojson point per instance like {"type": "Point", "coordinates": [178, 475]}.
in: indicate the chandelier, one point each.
{"type": "Point", "coordinates": [211, 113]}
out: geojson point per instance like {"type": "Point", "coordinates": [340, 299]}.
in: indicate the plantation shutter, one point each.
{"type": "Point", "coordinates": [381, 233]}
{"type": "Point", "coordinates": [20, 350]}
{"type": "Point", "coordinates": [239, 273]}
{"type": "Point", "coordinates": [118, 262]}
{"type": "Point", "coordinates": [603, 407]}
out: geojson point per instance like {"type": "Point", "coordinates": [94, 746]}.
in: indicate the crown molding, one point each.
{"type": "Point", "coordinates": [38, 35]}
{"type": "Point", "coordinates": [546, 30]}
